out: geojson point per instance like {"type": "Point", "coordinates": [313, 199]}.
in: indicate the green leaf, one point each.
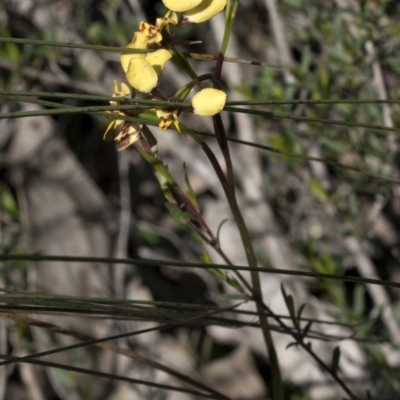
{"type": "Point", "coordinates": [179, 215]}
{"type": "Point", "coordinates": [184, 91]}
{"type": "Point", "coordinates": [317, 189]}
{"type": "Point", "coordinates": [219, 227]}
{"type": "Point", "coordinates": [7, 202]}
{"type": "Point", "coordinates": [359, 300]}
{"type": "Point", "coordinates": [151, 140]}
{"type": "Point", "coordinates": [190, 191]}
{"type": "Point", "coordinates": [162, 174]}
{"type": "Point", "coordinates": [220, 274]}
{"type": "Point", "coordinates": [230, 14]}
{"type": "Point", "coordinates": [234, 296]}
{"type": "Point", "coordinates": [305, 60]}
{"type": "Point", "coordinates": [306, 329]}
{"type": "Point", "coordinates": [299, 312]}
{"type": "Point", "coordinates": [289, 304]}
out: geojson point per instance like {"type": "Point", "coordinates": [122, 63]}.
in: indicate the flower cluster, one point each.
{"type": "Point", "coordinates": [143, 68]}
{"type": "Point", "coordinates": [130, 131]}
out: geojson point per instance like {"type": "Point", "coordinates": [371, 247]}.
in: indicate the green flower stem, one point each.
{"type": "Point", "coordinates": [123, 50]}
{"type": "Point", "coordinates": [155, 263]}
{"type": "Point", "coordinates": [72, 110]}
{"type": "Point", "coordinates": [269, 114]}
{"type": "Point", "coordinates": [212, 57]}
{"type": "Point", "coordinates": [16, 94]}
{"type": "Point", "coordinates": [310, 102]}
{"type": "Point", "coordinates": [277, 385]}
{"type": "Point", "coordinates": [61, 95]}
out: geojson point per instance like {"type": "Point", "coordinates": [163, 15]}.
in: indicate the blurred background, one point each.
{"type": "Point", "coordinates": [65, 191]}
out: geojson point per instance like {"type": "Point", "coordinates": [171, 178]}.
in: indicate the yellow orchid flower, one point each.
{"type": "Point", "coordinates": [208, 102]}
{"type": "Point", "coordinates": [123, 92]}
{"type": "Point", "coordinates": [130, 133]}
{"type": "Point", "coordinates": [142, 73]}
{"type": "Point", "coordinates": [167, 118]}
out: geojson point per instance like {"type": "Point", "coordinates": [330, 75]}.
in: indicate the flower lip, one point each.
{"type": "Point", "coordinates": [166, 118]}
{"type": "Point", "coordinates": [142, 73]}
{"type": "Point", "coordinates": [130, 134]}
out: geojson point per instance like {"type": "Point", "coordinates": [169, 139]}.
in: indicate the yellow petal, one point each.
{"type": "Point", "coordinates": [208, 102]}
{"type": "Point", "coordinates": [109, 127]}
{"type": "Point", "coordinates": [141, 75]}
{"type": "Point", "coordinates": [204, 11]}
{"type": "Point", "coordinates": [158, 58]}
{"type": "Point", "coordinates": [161, 113]}
{"type": "Point", "coordinates": [165, 119]}
{"type": "Point", "coordinates": [169, 18]}
{"type": "Point", "coordinates": [113, 124]}
{"type": "Point", "coordinates": [125, 89]}
{"type": "Point", "coordinates": [151, 32]}
{"type": "Point", "coordinates": [139, 41]}
{"type": "Point", "coordinates": [178, 127]}
{"type": "Point", "coordinates": [124, 92]}
{"type": "Point", "coordinates": [181, 5]}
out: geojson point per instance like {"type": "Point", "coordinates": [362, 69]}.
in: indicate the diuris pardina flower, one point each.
{"type": "Point", "coordinates": [142, 70]}
{"type": "Point", "coordinates": [208, 102]}
{"type": "Point", "coordinates": [166, 118]}
{"type": "Point", "coordinates": [130, 131]}
{"type": "Point", "coordinates": [154, 33]}
{"type": "Point", "coordinates": [124, 92]}
{"type": "Point", "coordinates": [196, 11]}
{"type": "Point", "coordinates": [129, 134]}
